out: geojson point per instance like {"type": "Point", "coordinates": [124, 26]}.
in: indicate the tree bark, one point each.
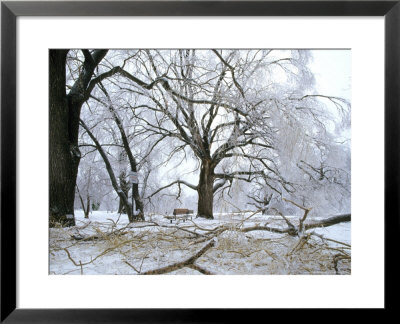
{"type": "Point", "coordinates": [333, 220]}
{"type": "Point", "coordinates": [64, 129]}
{"type": "Point", "coordinates": [63, 160]}
{"type": "Point", "coordinates": [205, 190]}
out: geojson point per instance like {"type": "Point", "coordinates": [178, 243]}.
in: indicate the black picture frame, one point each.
{"type": "Point", "coordinates": [11, 10]}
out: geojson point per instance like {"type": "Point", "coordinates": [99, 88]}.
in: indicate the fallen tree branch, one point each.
{"type": "Point", "coordinates": [303, 240]}
{"type": "Point", "coordinates": [98, 256]}
{"type": "Point", "coordinates": [337, 258]}
{"type": "Point", "coordinates": [302, 220]}
{"type": "Point", "coordinates": [200, 269]}
{"type": "Point", "coordinates": [329, 221]}
{"type": "Point", "coordinates": [291, 228]}
{"type": "Point", "coordinates": [179, 229]}
{"type": "Point", "coordinates": [131, 266]}
{"type": "Point", "coordinates": [104, 235]}
{"type": "Point", "coordinates": [265, 228]}
{"type": "Point", "coordinates": [322, 223]}
{"type": "Point", "coordinates": [185, 263]}
{"type": "Point", "coordinates": [331, 240]}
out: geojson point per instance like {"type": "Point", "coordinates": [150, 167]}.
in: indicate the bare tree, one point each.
{"type": "Point", "coordinates": [227, 105]}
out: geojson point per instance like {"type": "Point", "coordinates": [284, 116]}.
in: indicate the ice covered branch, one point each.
{"type": "Point", "coordinates": [185, 263]}
{"type": "Point", "coordinates": [179, 182]}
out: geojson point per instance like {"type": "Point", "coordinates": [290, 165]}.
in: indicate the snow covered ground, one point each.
{"type": "Point", "coordinates": [107, 244]}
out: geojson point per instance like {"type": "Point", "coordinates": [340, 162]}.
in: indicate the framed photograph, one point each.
{"type": "Point", "coordinates": [227, 148]}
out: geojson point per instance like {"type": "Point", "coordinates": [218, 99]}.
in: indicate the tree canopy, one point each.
{"type": "Point", "coordinates": [244, 128]}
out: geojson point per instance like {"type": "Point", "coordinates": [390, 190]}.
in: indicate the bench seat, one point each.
{"type": "Point", "coordinates": [178, 217]}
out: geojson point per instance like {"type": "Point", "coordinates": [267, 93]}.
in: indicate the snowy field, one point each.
{"type": "Point", "coordinates": [107, 244]}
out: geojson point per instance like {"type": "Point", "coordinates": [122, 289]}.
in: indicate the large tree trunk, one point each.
{"type": "Point", "coordinates": [63, 159]}
{"type": "Point", "coordinates": [64, 128]}
{"type": "Point", "coordinates": [205, 190]}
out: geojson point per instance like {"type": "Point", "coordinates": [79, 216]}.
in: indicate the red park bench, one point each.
{"type": "Point", "coordinates": [180, 211]}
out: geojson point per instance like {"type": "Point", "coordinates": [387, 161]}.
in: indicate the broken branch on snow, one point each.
{"type": "Point", "coordinates": [186, 263]}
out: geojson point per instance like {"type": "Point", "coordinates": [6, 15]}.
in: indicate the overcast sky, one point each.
{"type": "Point", "coordinates": [332, 70]}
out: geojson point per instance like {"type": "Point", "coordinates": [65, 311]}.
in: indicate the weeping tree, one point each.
{"type": "Point", "coordinates": [234, 111]}
{"type": "Point", "coordinates": [326, 176]}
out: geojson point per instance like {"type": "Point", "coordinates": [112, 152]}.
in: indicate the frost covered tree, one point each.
{"type": "Point", "coordinates": [241, 114]}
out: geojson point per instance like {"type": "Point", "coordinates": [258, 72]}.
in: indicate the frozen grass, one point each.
{"type": "Point", "coordinates": [107, 244]}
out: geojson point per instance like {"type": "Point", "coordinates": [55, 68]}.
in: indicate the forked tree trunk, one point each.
{"type": "Point", "coordinates": [205, 190]}
{"type": "Point", "coordinates": [63, 161]}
